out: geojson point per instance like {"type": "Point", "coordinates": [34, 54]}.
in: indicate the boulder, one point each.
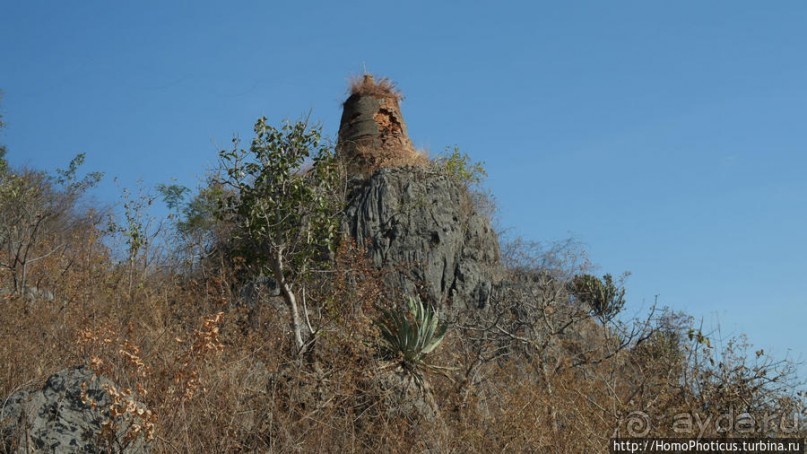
{"type": "Point", "coordinates": [73, 412]}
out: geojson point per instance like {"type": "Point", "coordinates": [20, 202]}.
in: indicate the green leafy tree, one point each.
{"type": "Point", "coordinates": [199, 233]}
{"type": "Point", "coordinates": [286, 214]}
{"type": "Point", "coordinates": [141, 234]}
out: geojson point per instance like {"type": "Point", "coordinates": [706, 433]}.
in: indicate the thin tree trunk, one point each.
{"type": "Point", "coordinates": [291, 300]}
{"type": "Point", "coordinates": [550, 391]}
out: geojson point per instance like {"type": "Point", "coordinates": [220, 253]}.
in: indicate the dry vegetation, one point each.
{"type": "Point", "coordinates": [218, 369]}
{"type": "Point", "coordinates": [367, 85]}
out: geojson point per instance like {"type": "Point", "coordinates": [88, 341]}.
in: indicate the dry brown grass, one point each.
{"type": "Point", "coordinates": [220, 375]}
{"type": "Point", "coordinates": [368, 85]}
{"type": "Point", "coordinates": [224, 378]}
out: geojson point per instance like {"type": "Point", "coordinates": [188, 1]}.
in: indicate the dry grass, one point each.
{"type": "Point", "coordinates": [367, 85]}
{"type": "Point", "coordinates": [219, 374]}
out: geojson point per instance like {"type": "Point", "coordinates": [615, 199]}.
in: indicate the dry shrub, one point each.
{"type": "Point", "coordinates": [220, 374]}
{"type": "Point", "coordinates": [217, 375]}
{"type": "Point", "coordinates": [35, 342]}
{"type": "Point", "coordinates": [367, 85]}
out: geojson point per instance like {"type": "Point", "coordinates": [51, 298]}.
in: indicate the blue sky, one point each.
{"type": "Point", "coordinates": [668, 137]}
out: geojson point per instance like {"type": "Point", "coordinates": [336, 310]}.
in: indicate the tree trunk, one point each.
{"type": "Point", "coordinates": [291, 300]}
{"type": "Point", "coordinates": [550, 391]}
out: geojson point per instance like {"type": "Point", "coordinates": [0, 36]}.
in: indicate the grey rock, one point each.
{"type": "Point", "coordinates": [38, 294]}
{"type": "Point", "coordinates": [402, 397]}
{"type": "Point", "coordinates": [67, 415]}
{"type": "Point", "coordinates": [31, 294]}
{"type": "Point", "coordinates": [423, 228]}
{"type": "Point", "coordinates": [258, 290]}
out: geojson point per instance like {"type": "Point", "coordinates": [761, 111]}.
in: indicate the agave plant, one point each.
{"type": "Point", "coordinates": [412, 334]}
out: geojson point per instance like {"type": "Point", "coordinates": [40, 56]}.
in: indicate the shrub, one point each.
{"type": "Point", "coordinates": [458, 166]}
{"type": "Point", "coordinates": [604, 297]}
{"type": "Point", "coordinates": [286, 216]}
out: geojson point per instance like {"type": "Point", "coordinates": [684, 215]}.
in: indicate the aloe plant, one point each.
{"type": "Point", "coordinates": [412, 334]}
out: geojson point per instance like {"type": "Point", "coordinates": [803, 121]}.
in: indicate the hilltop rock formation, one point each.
{"type": "Point", "coordinates": [417, 223]}
{"type": "Point", "coordinates": [71, 413]}
{"type": "Point", "coordinates": [372, 132]}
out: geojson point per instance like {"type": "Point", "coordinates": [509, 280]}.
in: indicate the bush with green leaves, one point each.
{"type": "Point", "coordinates": [605, 298]}
{"type": "Point", "coordinates": [287, 214]}
{"type": "Point", "coordinates": [458, 166]}
{"type": "Point", "coordinates": [409, 335]}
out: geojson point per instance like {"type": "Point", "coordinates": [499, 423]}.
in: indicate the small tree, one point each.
{"type": "Point", "coordinates": [285, 214]}
{"type": "Point", "coordinates": [36, 209]}
{"type": "Point", "coordinates": [603, 296]}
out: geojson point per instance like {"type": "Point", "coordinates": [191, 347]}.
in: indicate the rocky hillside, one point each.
{"type": "Point", "coordinates": [292, 309]}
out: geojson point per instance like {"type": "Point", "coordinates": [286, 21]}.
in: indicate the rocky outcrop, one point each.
{"type": "Point", "coordinates": [76, 411]}
{"type": "Point", "coordinates": [421, 226]}
{"type": "Point", "coordinates": [416, 223]}
{"type": "Point", "coordinates": [372, 131]}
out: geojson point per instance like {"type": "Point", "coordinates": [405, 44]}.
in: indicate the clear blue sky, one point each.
{"type": "Point", "coordinates": [669, 137]}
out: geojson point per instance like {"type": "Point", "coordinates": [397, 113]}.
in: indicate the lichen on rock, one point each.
{"type": "Point", "coordinates": [73, 412]}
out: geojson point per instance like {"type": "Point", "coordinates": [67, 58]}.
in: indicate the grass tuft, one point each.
{"type": "Point", "coordinates": [367, 85]}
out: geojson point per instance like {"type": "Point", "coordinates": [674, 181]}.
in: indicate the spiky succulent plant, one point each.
{"type": "Point", "coordinates": [411, 334]}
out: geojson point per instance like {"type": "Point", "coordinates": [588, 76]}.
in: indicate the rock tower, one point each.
{"type": "Point", "coordinates": [414, 220]}
{"type": "Point", "coordinates": [372, 132]}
